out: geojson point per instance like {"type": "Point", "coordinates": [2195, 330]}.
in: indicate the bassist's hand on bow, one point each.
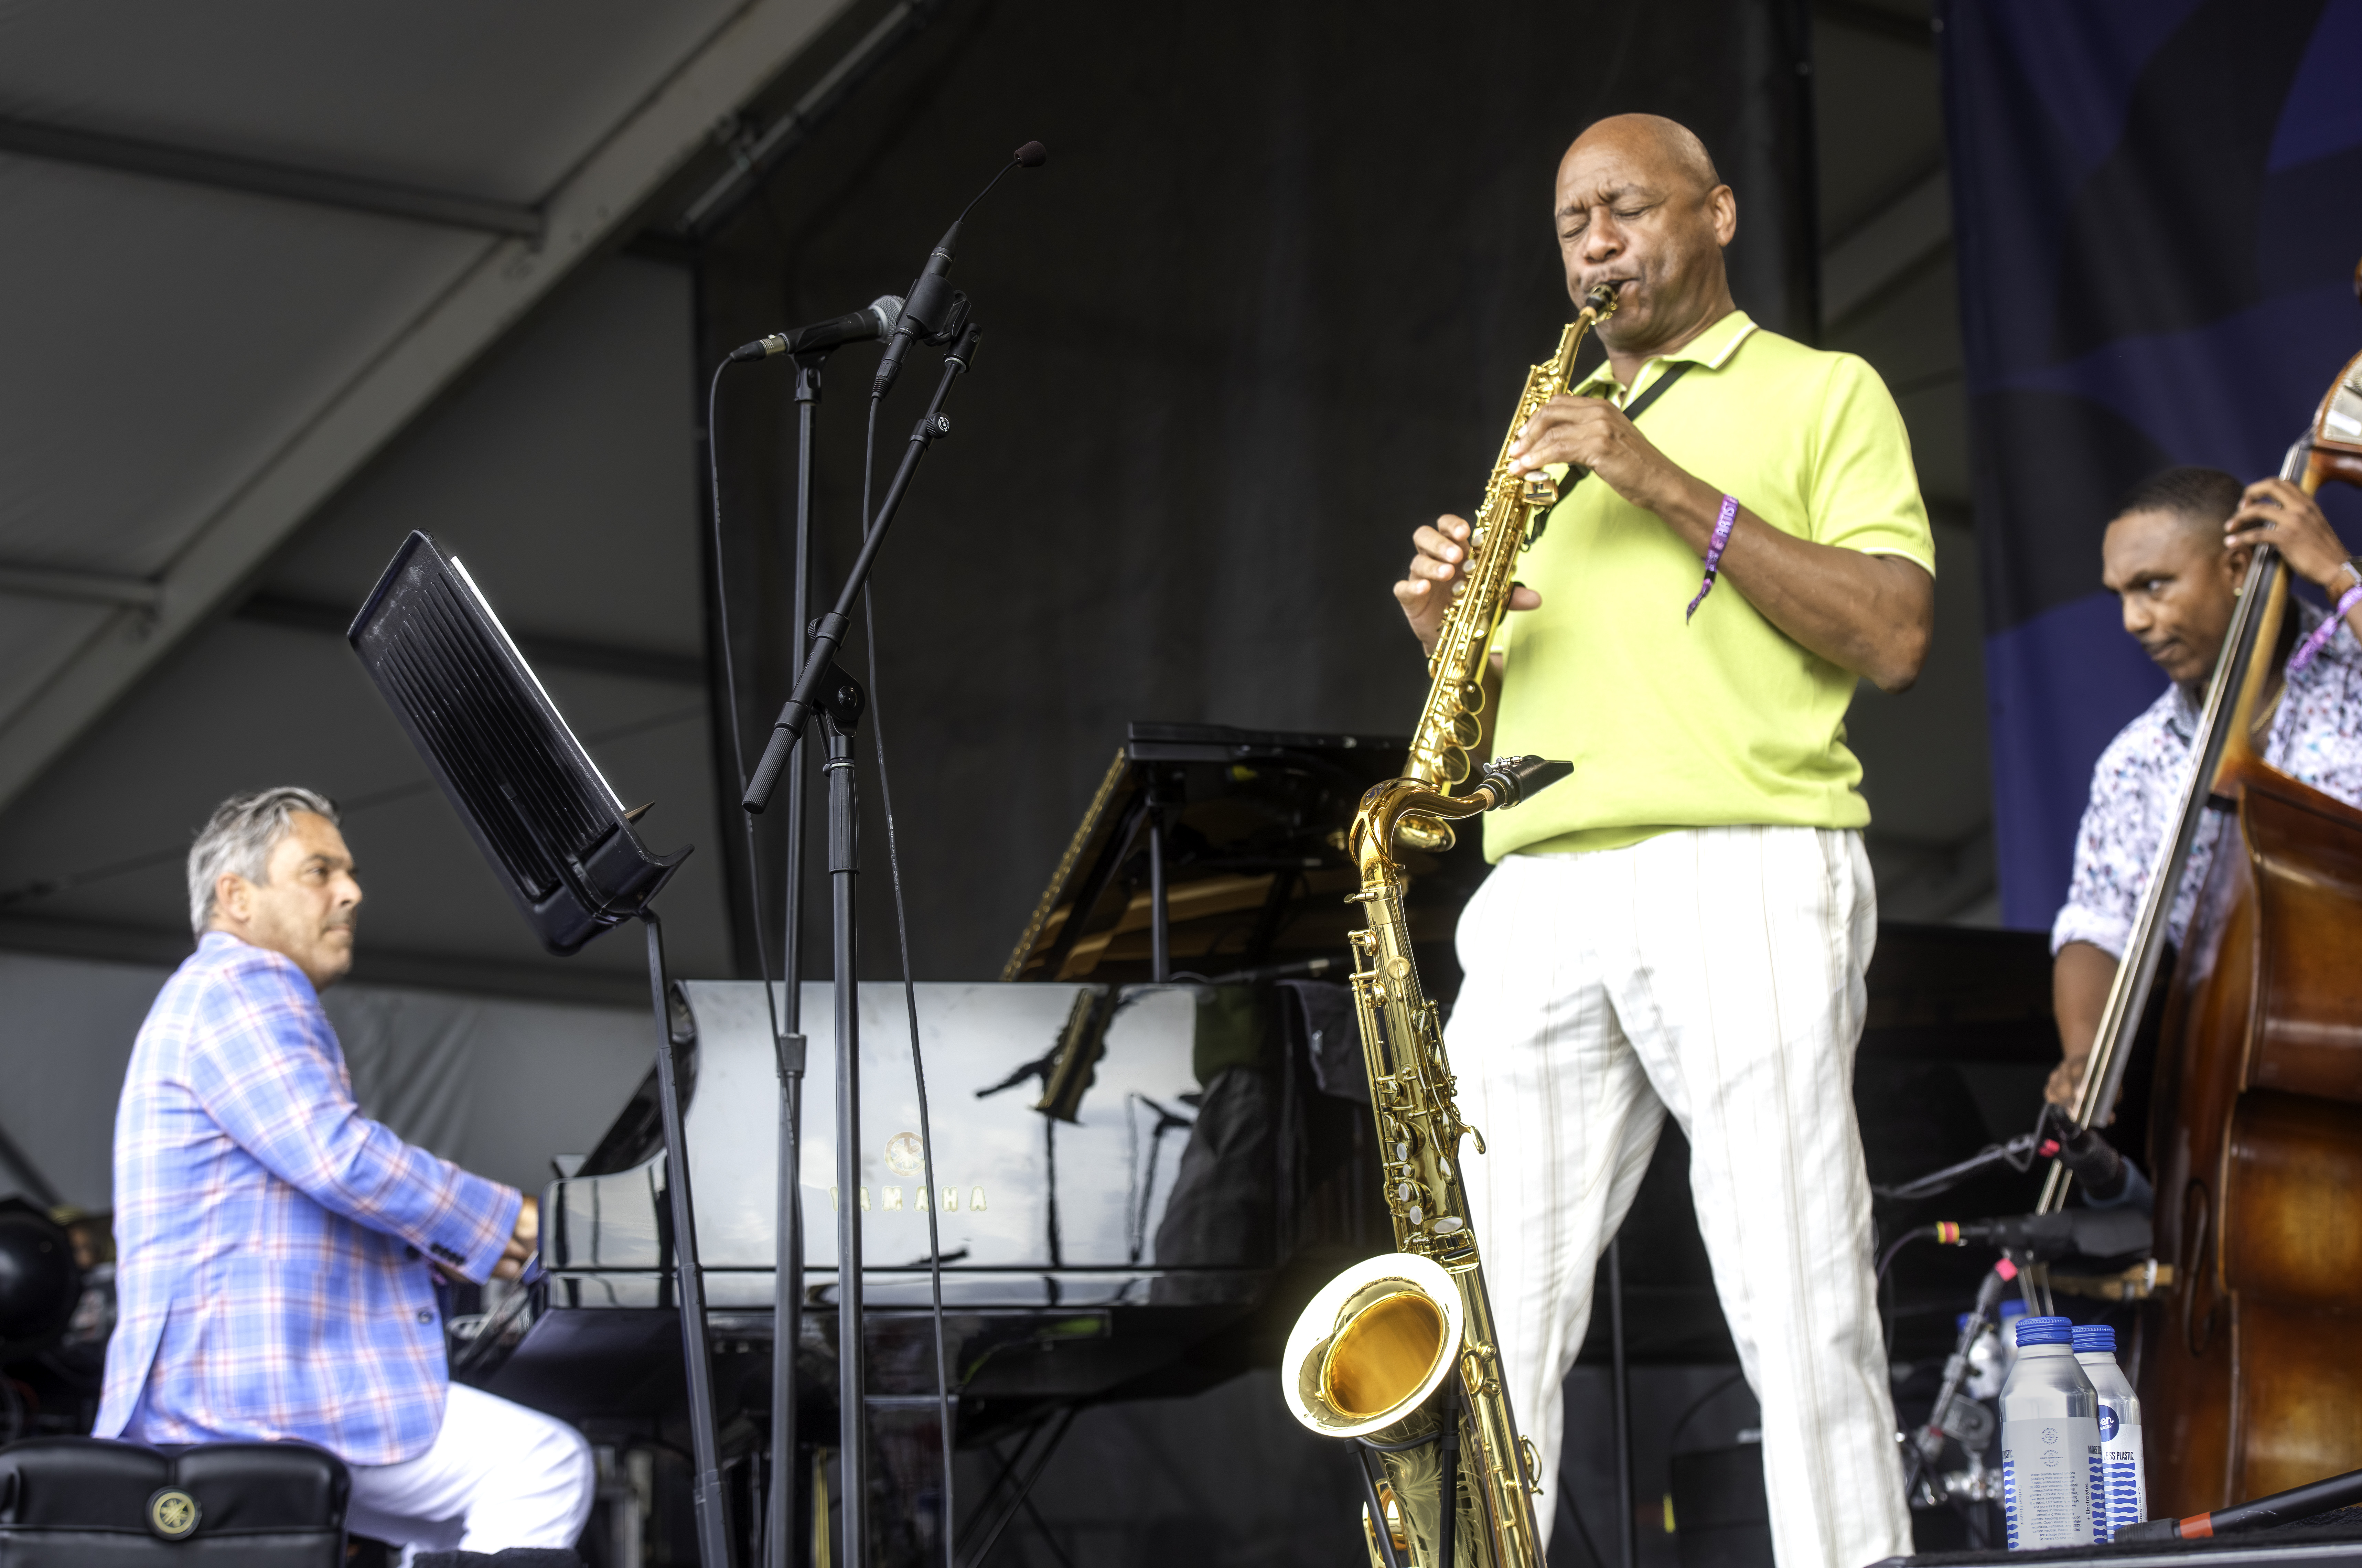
{"type": "Point", "coordinates": [1425, 590]}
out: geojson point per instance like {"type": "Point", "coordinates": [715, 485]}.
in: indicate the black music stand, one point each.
{"type": "Point", "coordinates": [561, 842]}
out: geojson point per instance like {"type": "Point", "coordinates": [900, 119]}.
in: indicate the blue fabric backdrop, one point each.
{"type": "Point", "coordinates": [2157, 213]}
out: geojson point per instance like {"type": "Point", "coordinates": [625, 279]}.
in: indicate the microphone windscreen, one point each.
{"type": "Point", "coordinates": [1033, 155]}
{"type": "Point", "coordinates": [887, 309]}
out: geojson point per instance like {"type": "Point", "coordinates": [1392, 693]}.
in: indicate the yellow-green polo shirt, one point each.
{"type": "Point", "coordinates": [1726, 720]}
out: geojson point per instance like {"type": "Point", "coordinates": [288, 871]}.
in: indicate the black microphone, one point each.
{"type": "Point", "coordinates": [857, 326]}
{"type": "Point", "coordinates": [2091, 1232]}
{"type": "Point", "coordinates": [930, 311]}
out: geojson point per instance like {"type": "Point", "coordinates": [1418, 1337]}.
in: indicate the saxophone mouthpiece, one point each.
{"type": "Point", "coordinates": [1515, 777]}
{"type": "Point", "coordinates": [1599, 303]}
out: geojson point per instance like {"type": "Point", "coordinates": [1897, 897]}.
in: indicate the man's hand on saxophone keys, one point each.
{"type": "Point", "coordinates": [1425, 590]}
{"type": "Point", "coordinates": [1593, 433]}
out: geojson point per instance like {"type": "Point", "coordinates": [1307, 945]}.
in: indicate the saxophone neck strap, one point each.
{"type": "Point", "coordinates": [1664, 384]}
{"type": "Point", "coordinates": [1634, 409]}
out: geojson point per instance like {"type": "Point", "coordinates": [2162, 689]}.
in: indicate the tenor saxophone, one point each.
{"type": "Point", "coordinates": [1399, 1354]}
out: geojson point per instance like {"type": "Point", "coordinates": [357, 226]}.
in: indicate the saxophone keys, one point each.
{"type": "Point", "coordinates": [1540, 489]}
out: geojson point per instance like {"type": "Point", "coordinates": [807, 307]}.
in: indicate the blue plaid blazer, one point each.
{"type": "Point", "coordinates": [272, 1242]}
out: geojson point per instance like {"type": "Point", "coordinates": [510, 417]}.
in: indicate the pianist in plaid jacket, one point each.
{"type": "Point", "coordinates": [273, 1243]}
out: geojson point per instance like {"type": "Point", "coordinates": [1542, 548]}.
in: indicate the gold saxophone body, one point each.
{"type": "Point", "coordinates": [1399, 1354]}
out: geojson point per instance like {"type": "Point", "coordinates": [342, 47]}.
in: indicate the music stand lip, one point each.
{"type": "Point", "coordinates": [542, 814]}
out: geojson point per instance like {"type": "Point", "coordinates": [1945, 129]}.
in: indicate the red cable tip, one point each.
{"type": "Point", "coordinates": [2006, 1269]}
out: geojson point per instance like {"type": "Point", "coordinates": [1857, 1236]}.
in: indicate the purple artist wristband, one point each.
{"type": "Point", "coordinates": [1722, 521]}
{"type": "Point", "coordinates": [2327, 629]}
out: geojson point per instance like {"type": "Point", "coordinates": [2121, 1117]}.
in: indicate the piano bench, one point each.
{"type": "Point", "coordinates": [70, 1502]}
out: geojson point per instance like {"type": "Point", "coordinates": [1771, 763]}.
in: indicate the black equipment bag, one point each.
{"type": "Point", "coordinates": [70, 1502]}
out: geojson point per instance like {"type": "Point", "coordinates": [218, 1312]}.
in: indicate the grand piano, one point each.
{"type": "Point", "coordinates": [1151, 1150]}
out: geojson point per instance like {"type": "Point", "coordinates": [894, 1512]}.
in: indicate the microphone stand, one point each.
{"type": "Point", "coordinates": [841, 700]}
{"type": "Point", "coordinates": [788, 1261]}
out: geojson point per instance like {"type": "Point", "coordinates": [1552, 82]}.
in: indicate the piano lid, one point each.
{"type": "Point", "coordinates": [1250, 826]}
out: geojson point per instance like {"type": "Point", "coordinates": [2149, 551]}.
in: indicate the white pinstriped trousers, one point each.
{"type": "Point", "coordinates": [1715, 973]}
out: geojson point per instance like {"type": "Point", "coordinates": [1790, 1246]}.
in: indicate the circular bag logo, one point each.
{"type": "Point", "coordinates": [173, 1514]}
{"type": "Point", "coordinates": [903, 1154]}
{"type": "Point", "coordinates": [2108, 1424]}
{"type": "Point", "coordinates": [2050, 1434]}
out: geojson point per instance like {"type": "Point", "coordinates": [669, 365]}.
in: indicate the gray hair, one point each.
{"type": "Point", "coordinates": [237, 841]}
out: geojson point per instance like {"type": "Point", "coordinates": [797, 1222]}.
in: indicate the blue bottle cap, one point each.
{"type": "Point", "coordinates": [2095, 1337]}
{"type": "Point", "coordinates": [2034, 1331]}
{"type": "Point", "coordinates": [2013, 1308]}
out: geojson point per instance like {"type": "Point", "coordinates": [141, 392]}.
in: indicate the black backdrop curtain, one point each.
{"type": "Point", "coordinates": [1264, 311]}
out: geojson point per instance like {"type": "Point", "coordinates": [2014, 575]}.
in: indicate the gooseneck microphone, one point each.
{"type": "Point", "coordinates": [855, 326]}
{"type": "Point", "coordinates": [930, 311]}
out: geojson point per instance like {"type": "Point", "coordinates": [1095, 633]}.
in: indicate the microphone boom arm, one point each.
{"type": "Point", "coordinates": [829, 632]}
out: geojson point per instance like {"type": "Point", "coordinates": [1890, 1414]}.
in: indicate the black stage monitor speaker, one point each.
{"type": "Point", "coordinates": [1721, 1515]}
{"type": "Point", "coordinates": [539, 809]}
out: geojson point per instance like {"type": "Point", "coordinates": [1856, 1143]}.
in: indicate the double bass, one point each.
{"type": "Point", "coordinates": [2247, 1362]}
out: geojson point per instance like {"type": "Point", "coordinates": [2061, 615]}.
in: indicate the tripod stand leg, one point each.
{"type": "Point", "coordinates": [713, 1505]}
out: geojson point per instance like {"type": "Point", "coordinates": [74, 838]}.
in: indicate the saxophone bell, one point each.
{"type": "Point", "coordinates": [1371, 1349]}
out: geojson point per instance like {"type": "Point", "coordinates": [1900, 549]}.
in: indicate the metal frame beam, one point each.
{"type": "Point", "coordinates": [81, 587]}
{"type": "Point", "coordinates": [321, 187]}
{"type": "Point", "coordinates": [324, 446]}
{"type": "Point", "coordinates": [1860, 17]}
{"type": "Point", "coordinates": [525, 978]}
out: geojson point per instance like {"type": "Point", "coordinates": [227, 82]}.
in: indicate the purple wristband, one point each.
{"type": "Point", "coordinates": [1723, 520]}
{"type": "Point", "coordinates": [2326, 630]}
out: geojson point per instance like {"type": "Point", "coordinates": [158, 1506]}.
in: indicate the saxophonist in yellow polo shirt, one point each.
{"type": "Point", "coordinates": [1683, 925]}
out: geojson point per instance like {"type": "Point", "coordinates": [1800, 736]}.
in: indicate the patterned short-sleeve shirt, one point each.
{"type": "Point", "coordinates": [2316, 738]}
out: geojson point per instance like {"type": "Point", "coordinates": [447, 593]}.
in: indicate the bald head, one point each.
{"type": "Point", "coordinates": [1640, 208]}
{"type": "Point", "coordinates": [1667, 147]}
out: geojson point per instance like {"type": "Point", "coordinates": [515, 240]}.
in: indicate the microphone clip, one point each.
{"type": "Point", "coordinates": [954, 321]}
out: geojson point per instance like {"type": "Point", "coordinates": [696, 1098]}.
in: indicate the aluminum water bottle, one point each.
{"type": "Point", "coordinates": [2125, 1499]}
{"type": "Point", "coordinates": [2049, 1440]}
